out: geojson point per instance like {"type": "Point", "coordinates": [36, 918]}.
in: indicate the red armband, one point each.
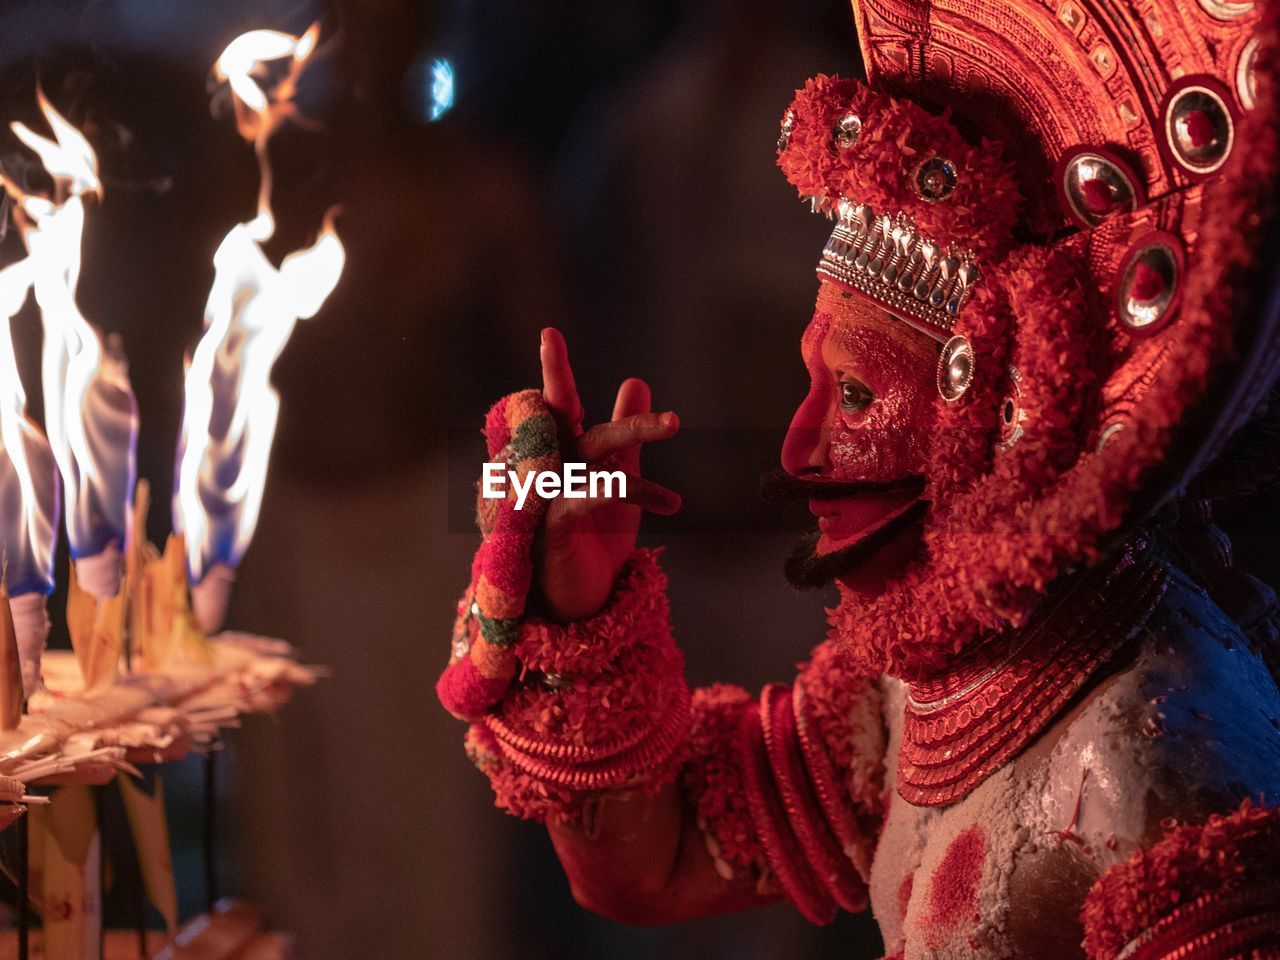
{"type": "Point", "coordinates": [1205, 892]}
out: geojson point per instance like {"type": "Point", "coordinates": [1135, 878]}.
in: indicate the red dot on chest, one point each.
{"type": "Point", "coordinates": [953, 889]}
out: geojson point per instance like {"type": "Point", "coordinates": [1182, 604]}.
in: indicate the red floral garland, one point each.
{"type": "Point", "coordinates": [519, 430]}
{"type": "Point", "coordinates": [713, 780]}
{"type": "Point", "coordinates": [1197, 880]}
{"type": "Point", "coordinates": [896, 136]}
{"type": "Point", "coordinates": [589, 648]}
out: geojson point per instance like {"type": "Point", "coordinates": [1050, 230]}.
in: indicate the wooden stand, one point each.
{"type": "Point", "coordinates": [233, 931]}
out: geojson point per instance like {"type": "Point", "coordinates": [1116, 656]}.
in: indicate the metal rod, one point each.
{"type": "Point", "coordinates": [210, 823]}
{"type": "Point", "coordinates": [130, 870]}
{"type": "Point", "coordinates": [139, 906]}
{"type": "Point", "coordinates": [100, 814]}
{"type": "Point", "coordinates": [24, 917]}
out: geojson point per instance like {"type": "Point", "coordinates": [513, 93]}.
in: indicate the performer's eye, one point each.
{"type": "Point", "coordinates": [854, 396]}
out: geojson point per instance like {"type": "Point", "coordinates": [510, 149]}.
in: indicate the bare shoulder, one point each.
{"type": "Point", "coordinates": [1188, 727]}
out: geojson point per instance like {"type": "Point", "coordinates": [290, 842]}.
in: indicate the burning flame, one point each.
{"type": "Point", "coordinates": [248, 53]}
{"type": "Point", "coordinates": [90, 413]}
{"type": "Point", "coordinates": [28, 475]}
{"type": "Point", "coordinates": [260, 113]}
{"type": "Point", "coordinates": [68, 157]}
{"type": "Point", "coordinates": [231, 408]}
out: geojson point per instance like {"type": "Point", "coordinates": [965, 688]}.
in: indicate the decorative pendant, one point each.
{"type": "Point", "coordinates": [1093, 185]}
{"type": "Point", "coordinates": [955, 369]}
{"type": "Point", "coordinates": [847, 131]}
{"type": "Point", "coordinates": [1148, 284]}
{"type": "Point", "coordinates": [935, 179]}
{"type": "Point", "coordinates": [1198, 127]}
{"type": "Point", "coordinates": [1012, 414]}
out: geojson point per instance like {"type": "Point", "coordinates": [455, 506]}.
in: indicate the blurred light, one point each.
{"type": "Point", "coordinates": [441, 88]}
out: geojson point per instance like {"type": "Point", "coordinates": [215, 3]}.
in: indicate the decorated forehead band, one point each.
{"type": "Point", "coordinates": [886, 258]}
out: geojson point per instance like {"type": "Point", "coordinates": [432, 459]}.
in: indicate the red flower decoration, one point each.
{"type": "Point", "coordinates": [879, 168]}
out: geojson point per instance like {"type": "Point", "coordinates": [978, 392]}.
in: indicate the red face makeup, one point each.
{"type": "Point", "coordinates": [867, 415]}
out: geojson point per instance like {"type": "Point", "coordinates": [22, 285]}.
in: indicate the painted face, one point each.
{"type": "Point", "coordinates": [858, 443]}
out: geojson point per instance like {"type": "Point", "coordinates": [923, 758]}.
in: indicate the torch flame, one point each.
{"type": "Point", "coordinates": [249, 52]}
{"type": "Point", "coordinates": [231, 408]}
{"type": "Point", "coordinates": [259, 112]}
{"type": "Point", "coordinates": [28, 476]}
{"type": "Point", "coordinates": [68, 157]}
{"type": "Point", "coordinates": [90, 413]}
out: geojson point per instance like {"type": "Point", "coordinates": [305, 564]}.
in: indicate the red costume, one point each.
{"type": "Point", "coordinates": [1045, 724]}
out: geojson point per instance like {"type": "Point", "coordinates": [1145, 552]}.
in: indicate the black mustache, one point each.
{"type": "Point", "coordinates": [779, 486]}
{"type": "Point", "coordinates": [806, 570]}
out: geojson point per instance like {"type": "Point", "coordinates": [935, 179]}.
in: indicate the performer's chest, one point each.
{"type": "Point", "coordinates": [1183, 730]}
{"type": "Point", "coordinates": [994, 875]}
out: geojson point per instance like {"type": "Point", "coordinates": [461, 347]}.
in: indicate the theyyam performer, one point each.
{"type": "Point", "coordinates": [1040, 440]}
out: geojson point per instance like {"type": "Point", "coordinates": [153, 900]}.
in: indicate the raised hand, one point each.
{"type": "Point", "coordinates": [586, 541]}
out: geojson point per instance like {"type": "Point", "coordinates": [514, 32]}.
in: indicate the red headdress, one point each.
{"type": "Point", "coordinates": [1097, 270]}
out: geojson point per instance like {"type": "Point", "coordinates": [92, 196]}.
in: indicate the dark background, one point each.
{"type": "Point", "coordinates": [607, 167]}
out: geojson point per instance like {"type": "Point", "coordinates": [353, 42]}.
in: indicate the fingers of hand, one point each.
{"type": "Point", "coordinates": [641, 493]}
{"type": "Point", "coordinates": [633, 398]}
{"type": "Point", "coordinates": [651, 496]}
{"type": "Point", "coordinates": [558, 387]}
{"type": "Point", "coordinates": [609, 439]}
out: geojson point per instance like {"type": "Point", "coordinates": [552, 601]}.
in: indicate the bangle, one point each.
{"type": "Point", "coordinates": [841, 732]}
{"type": "Point", "coordinates": [515, 791]}
{"type": "Point", "coordinates": [804, 813]}
{"type": "Point", "coordinates": [1214, 927]}
{"type": "Point", "coordinates": [533, 779]}
{"type": "Point", "coordinates": [783, 851]}
{"type": "Point", "coordinates": [799, 784]}
{"type": "Point", "coordinates": [649, 751]}
{"type": "Point", "coordinates": [602, 732]}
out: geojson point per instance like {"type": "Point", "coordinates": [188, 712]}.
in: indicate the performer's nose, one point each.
{"type": "Point", "coordinates": [804, 450]}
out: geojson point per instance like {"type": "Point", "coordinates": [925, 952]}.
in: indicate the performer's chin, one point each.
{"type": "Point", "coordinates": [860, 559]}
